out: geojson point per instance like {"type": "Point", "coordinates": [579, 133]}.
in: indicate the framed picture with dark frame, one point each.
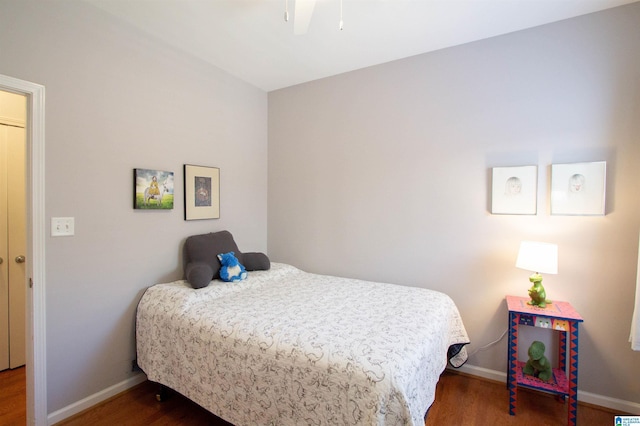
{"type": "Point", "coordinates": [578, 189]}
{"type": "Point", "coordinates": [152, 189]}
{"type": "Point", "coordinates": [514, 190]}
{"type": "Point", "coordinates": [201, 192]}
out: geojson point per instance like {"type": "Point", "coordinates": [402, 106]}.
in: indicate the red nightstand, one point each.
{"type": "Point", "coordinates": [560, 316]}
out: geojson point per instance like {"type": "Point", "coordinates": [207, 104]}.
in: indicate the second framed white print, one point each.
{"type": "Point", "coordinates": [578, 189]}
{"type": "Point", "coordinates": [514, 190]}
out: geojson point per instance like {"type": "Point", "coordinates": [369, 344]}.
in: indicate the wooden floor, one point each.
{"type": "Point", "coordinates": [13, 400]}
{"type": "Point", "coordinates": [460, 400]}
{"type": "Point", "coordinates": [467, 400]}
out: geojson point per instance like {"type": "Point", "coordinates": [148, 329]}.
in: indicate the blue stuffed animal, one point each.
{"type": "Point", "coordinates": [232, 270]}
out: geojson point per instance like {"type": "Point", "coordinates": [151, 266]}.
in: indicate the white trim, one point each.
{"type": "Point", "coordinates": [36, 302]}
{"type": "Point", "coordinates": [472, 370]}
{"type": "Point", "coordinates": [618, 405]}
{"type": "Point", "coordinates": [94, 399]}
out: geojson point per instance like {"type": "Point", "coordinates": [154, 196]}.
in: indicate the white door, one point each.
{"type": "Point", "coordinates": [12, 242]}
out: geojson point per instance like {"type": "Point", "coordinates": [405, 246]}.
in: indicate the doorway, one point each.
{"type": "Point", "coordinates": [35, 247]}
{"type": "Point", "coordinates": [13, 285]}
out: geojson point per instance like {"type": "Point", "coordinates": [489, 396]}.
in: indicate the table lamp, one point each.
{"type": "Point", "coordinates": [538, 257]}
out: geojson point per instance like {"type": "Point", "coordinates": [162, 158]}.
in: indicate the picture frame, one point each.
{"type": "Point", "coordinates": [152, 189]}
{"type": "Point", "coordinates": [201, 192]}
{"type": "Point", "coordinates": [578, 189]}
{"type": "Point", "coordinates": [514, 190]}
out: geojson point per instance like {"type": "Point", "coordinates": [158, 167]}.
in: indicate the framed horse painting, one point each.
{"type": "Point", "coordinates": [152, 189]}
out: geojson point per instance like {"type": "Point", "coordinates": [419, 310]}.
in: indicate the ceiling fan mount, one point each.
{"type": "Point", "coordinates": [303, 11]}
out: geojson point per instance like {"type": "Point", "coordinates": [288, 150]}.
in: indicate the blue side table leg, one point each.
{"type": "Point", "coordinates": [512, 359]}
{"type": "Point", "coordinates": [573, 375]}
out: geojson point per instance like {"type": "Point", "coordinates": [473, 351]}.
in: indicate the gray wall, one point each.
{"type": "Point", "coordinates": [384, 174]}
{"type": "Point", "coordinates": [118, 100]}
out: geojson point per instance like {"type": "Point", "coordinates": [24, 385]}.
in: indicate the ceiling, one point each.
{"type": "Point", "coordinates": [251, 40]}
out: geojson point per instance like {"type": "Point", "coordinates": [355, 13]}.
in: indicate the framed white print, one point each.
{"type": "Point", "coordinates": [201, 192]}
{"type": "Point", "coordinates": [578, 189]}
{"type": "Point", "coordinates": [514, 190]}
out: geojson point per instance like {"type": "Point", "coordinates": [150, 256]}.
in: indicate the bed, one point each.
{"type": "Point", "coordinates": [287, 347]}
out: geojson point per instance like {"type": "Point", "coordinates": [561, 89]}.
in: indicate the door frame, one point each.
{"type": "Point", "coordinates": [36, 371]}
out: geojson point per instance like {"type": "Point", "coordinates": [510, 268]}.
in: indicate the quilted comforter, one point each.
{"type": "Point", "coordinates": [286, 347]}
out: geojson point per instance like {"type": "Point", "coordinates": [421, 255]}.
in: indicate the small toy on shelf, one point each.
{"type": "Point", "coordinates": [538, 365]}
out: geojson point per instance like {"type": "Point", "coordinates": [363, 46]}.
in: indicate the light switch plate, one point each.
{"type": "Point", "coordinates": [62, 226]}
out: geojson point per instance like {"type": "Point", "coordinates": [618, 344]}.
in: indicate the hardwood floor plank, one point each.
{"type": "Point", "coordinates": [460, 400]}
{"type": "Point", "coordinates": [13, 400]}
{"type": "Point", "coordinates": [138, 406]}
{"type": "Point", "coordinates": [468, 400]}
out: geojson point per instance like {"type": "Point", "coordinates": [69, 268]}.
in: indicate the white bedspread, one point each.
{"type": "Point", "coordinates": [286, 347]}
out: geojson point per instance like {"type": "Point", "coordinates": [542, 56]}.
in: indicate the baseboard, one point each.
{"type": "Point", "coordinates": [472, 370]}
{"type": "Point", "coordinates": [94, 399]}
{"type": "Point", "coordinates": [617, 405]}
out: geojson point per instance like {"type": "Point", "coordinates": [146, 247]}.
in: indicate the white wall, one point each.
{"type": "Point", "coordinates": [383, 174]}
{"type": "Point", "coordinates": [118, 100]}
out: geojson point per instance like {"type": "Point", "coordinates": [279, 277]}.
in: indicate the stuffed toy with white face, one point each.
{"type": "Point", "coordinates": [232, 270]}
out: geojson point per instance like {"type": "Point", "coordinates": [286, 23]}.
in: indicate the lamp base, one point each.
{"type": "Point", "coordinates": [537, 292]}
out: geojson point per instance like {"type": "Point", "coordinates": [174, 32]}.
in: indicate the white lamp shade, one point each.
{"type": "Point", "coordinates": [538, 257]}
